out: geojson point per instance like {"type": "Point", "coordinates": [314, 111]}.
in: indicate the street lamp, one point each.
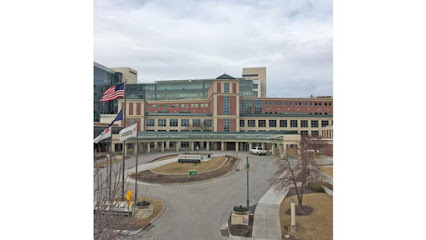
{"type": "Point", "coordinates": [247, 169]}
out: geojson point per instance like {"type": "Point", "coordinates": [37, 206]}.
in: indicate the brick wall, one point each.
{"type": "Point", "coordinates": [219, 125]}
{"type": "Point", "coordinates": [219, 105]}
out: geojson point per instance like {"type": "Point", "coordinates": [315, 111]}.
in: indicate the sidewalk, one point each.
{"type": "Point", "coordinates": [267, 215]}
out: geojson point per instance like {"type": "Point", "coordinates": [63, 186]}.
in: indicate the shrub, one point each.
{"type": "Point", "coordinates": [240, 209]}
{"type": "Point", "coordinates": [143, 204]}
{"type": "Point", "coordinates": [315, 187]}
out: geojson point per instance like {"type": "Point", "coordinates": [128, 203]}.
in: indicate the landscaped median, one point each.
{"type": "Point", "coordinates": [179, 172]}
{"type": "Point", "coordinates": [318, 225]}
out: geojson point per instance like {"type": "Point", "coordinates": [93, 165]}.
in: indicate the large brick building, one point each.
{"type": "Point", "coordinates": [173, 113]}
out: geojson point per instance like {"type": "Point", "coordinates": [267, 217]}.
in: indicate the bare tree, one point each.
{"type": "Point", "coordinates": [296, 172]}
{"type": "Point", "coordinates": [107, 193]}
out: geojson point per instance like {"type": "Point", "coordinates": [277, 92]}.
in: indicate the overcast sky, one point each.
{"type": "Point", "coordinates": [193, 39]}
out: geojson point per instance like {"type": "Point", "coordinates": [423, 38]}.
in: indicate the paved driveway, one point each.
{"type": "Point", "coordinates": [197, 211]}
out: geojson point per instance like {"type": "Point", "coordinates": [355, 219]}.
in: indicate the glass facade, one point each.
{"type": "Point", "coordinates": [226, 105]}
{"type": "Point", "coordinates": [179, 89]}
{"type": "Point", "coordinates": [258, 106]}
{"type": "Point", "coordinates": [226, 87]}
{"type": "Point", "coordinates": [103, 78]}
{"type": "Point", "coordinates": [247, 106]}
{"type": "Point", "coordinates": [226, 125]}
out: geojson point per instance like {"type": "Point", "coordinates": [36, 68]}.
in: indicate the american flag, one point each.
{"type": "Point", "coordinates": [113, 92]}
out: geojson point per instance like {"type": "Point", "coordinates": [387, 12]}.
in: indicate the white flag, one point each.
{"type": "Point", "coordinates": [105, 134]}
{"type": "Point", "coordinates": [128, 132]}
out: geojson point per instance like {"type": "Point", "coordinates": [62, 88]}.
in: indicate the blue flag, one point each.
{"type": "Point", "coordinates": [118, 118]}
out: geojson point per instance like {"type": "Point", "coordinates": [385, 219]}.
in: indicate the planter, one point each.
{"type": "Point", "coordinates": [238, 218]}
{"type": "Point", "coordinates": [143, 212]}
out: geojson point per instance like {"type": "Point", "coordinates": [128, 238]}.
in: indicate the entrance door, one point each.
{"type": "Point", "coordinates": [230, 146]}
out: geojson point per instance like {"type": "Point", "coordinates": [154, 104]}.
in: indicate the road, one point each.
{"type": "Point", "coordinates": [197, 211]}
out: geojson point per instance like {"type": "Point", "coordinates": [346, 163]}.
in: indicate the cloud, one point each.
{"type": "Point", "coordinates": [203, 39]}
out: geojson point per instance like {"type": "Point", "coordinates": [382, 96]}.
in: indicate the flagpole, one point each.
{"type": "Point", "coordinates": [124, 142]}
{"type": "Point", "coordinates": [137, 153]}
{"type": "Point", "coordinates": [110, 168]}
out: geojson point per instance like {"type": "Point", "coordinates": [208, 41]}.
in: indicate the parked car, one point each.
{"type": "Point", "coordinates": [258, 151]}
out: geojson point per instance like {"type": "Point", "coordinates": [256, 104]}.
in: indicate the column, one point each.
{"type": "Point", "coordinates": [208, 146]}
{"type": "Point", "coordinates": [167, 144]}
{"type": "Point", "coordinates": [285, 148]}
{"type": "Point", "coordinates": [250, 146]}
{"type": "Point", "coordinates": [135, 148]}
{"type": "Point", "coordinates": [113, 147]}
{"type": "Point", "coordinates": [236, 146]}
{"type": "Point", "coordinates": [177, 146]}
{"type": "Point", "coordinates": [192, 145]}
{"type": "Point", "coordinates": [126, 149]}
{"type": "Point", "coordinates": [223, 146]}
{"type": "Point", "coordinates": [273, 148]}
{"type": "Point", "coordinates": [148, 147]}
{"type": "Point", "coordinates": [162, 146]}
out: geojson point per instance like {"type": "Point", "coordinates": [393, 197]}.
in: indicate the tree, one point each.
{"type": "Point", "coordinates": [107, 189]}
{"type": "Point", "coordinates": [298, 172]}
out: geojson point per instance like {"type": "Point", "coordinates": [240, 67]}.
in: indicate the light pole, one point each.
{"type": "Point", "coordinates": [247, 169]}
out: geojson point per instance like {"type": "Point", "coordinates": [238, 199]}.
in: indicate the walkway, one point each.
{"type": "Point", "coordinates": [267, 215]}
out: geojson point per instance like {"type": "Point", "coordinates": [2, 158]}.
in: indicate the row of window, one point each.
{"type": "Point", "coordinates": [303, 133]}
{"type": "Point", "coordinates": [183, 105]}
{"type": "Point", "coordinates": [283, 123]}
{"type": "Point", "coordinates": [175, 122]}
{"type": "Point", "coordinates": [299, 113]}
{"type": "Point", "coordinates": [270, 103]}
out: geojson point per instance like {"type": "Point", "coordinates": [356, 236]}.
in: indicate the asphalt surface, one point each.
{"type": "Point", "coordinates": [200, 210]}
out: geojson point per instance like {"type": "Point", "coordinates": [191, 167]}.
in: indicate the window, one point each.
{"type": "Point", "coordinates": [173, 131]}
{"type": "Point", "coordinates": [184, 144]}
{"type": "Point", "coordinates": [272, 123]}
{"type": "Point", "coordinates": [207, 122]}
{"type": "Point", "coordinates": [173, 122]}
{"type": "Point", "coordinates": [293, 123]}
{"type": "Point", "coordinates": [304, 123]}
{"type": "Point", "coordinates": [283, 123]}
{"type": "Point", "coordinates": [262, 123]}
{"type": "Point", "coordinates": [247, 106]}
{"type": "Point", "coordinates": [226, 125]}
{"type": "Point", "coordinates": [281, 103]}
{"type": "Point", "coordinates": [255, 86]}
{"type": "Point", "coordinates": [196, 122]}
{"type": "Point", "coordinates": [150, 130]}
{"type": "Point", "coordinates": [314, 133]}
{"type": "Point", "coordinates": [192, 105]}
{"type": "Point", "coordinates": [329, 104]}
{"type": "Point", "coordinates": [319, 104]}
{"type": "Point", "coordinates": [226, 105]}
{"type": "Point", "coordinates": [316, 104]}
{"type": "Point", "coordinates": [131, 121]}
{"type": "Point", "coordinates": [242, 122]}
{"type": "Point", "coordinates": [251, 123]}
{"type": "Point", "coordinates": [258, 106]}
{"type": "Point", "coordinates": [162, 130]}
{"type": "Point", "coordinates": [150, 122]}
{"type": "Point", "coordinates": [324, 123]}
{"type": "Point", "coordinates": [226, 87]}
{"type": "Point", "coordinates": [314, 123]}
{"type": "Point", "coordinates": [304, 133]}
{"type": "Point", "coordinates": [184, 122]}
{"type": "Point", "coordinates": [289, 103]}
{"type": "Point", "coordinates": [276, 103]}
{"type": "Point", "coordinates": [162, 122]}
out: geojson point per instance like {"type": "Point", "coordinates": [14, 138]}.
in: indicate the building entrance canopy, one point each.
{"type": "Point", "coordinates": [277, 136]}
